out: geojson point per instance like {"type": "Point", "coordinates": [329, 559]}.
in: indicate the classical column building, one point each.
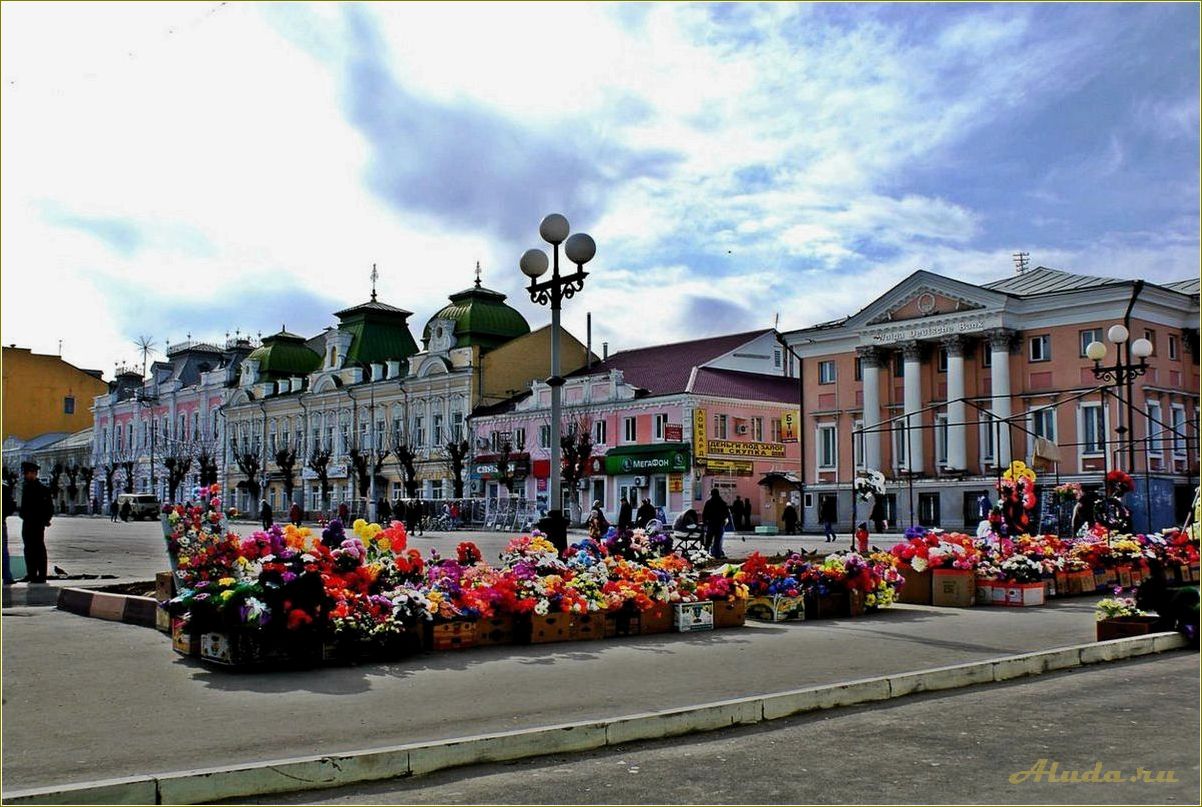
{"type": "Point", "coordinates": [979, 373]}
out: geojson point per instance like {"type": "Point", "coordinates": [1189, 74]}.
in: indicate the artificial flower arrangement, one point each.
{"type": "Point", "coordinates": [1114, 607]}
{"type": "Point", "coordinates": [1016, 499]}
{"type": "Point", "coordinates": [1069, 492]}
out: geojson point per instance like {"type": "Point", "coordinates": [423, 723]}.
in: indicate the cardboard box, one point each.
{"type": "Point", "coordinates": [657, 619]}
{"type": "Point", "coordinates": [1049, 588]}
{"type": "Point", "coordinates": [1023, 595]}
{"type": "Point", "coordinates": [623, 623]}
{"type": "Point", "coordinates": [162, 619]}
{"type": "Point", "coordinates": [916, 586]}
{"type": "Point", "coordinates": [1062, 585]}
{"type": "Point", "coordinates": [693, 616]}
{"type": "Point", "coordinates": [495, 630]}
{"type": "Point", "coordinates": [855, 599]}
{"type": "Point", "coordinates": [183, 640]}
{"type": "Point", "coordinates": [1124, 575]}
{"type": "Point", "coordinates": [984, 592]}
{"type": "Point", "coordinates": [953, 588]}
{"type": "Point", "coordinates": [164, 586]}
{"type": "Point", "coordinates": [541, 629]}
{"type": "Point", "coordinates": [1193, 571]}
{"type": "Point", "coordinates": [584, 627]}
{"type": "Point", "coordinates": [997, 594]}
{"type": "Point", "coordinates": [728, 614]}
{"type": "Point", "coordinates": [776, 609]}
{"type": "Point", "coordinates": [457, 634]}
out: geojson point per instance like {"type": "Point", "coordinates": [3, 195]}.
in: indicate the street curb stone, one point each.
{"type": "Point", "coordinates": [104, 605]}
{"type": "Point", "coordinates": [317, 772]}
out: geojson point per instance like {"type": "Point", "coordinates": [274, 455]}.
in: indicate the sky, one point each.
{"type": "Point", "coordinates": [191, 170]}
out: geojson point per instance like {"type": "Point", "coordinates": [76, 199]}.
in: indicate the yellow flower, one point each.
{"type": "Point", "coordinates": [359, 527]}
{"type": "Point", "coordinates": [226, 581]}
{"type": "Point", "coordinates": [384, 544]}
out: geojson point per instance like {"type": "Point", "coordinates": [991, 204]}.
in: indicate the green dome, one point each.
{"type": "Point", "coordinates": [285, 354]}
{"type": "Point", "coordinates": [481, 318]}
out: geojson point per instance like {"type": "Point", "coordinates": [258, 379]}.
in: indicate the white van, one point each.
{"type": "Point", "coordinates": [141, 505]}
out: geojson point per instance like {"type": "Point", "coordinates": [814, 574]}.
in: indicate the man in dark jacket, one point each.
{"type": "Point", "coordinates": [265, 515]}
{"type": "Point", "coordinates": [36, 510]}
{"type": "Point", "coordinates": [10, 507]}
{"type": "Point", "coordinates": [715, 514]}
{"type": "Point", "coordinates": [789, 516]}
{"type": "Point", "coordinates": [736, 513]}
{"type": "Point", "coordinates": [645, 513]}
{"type": "Point", "coordinates": [624, 516]}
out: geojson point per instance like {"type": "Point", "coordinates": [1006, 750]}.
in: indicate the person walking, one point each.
{"type": "Point", "coordinates": [789, 516]}
{"type": "Point", "coordinates": [400, 514]}
{"type": "Point", "coordinates": [877, 514]}
{"type": "Point", "coordinates": [126, 510]}
{"type": "Point", "coordinates": [344, 513]}
{"type": "Point", "coordinates": [715, 514]}
{"type": "Point", "coordinates": [736, 511]}
{"type": "Point", "coordinates": [114, 511]}
{"type": "Point", "coordinates": [295, 515]}
{"type": "Point", "coordinates": [36, 510]}
{"type": "Point", "coordinates": [644, 515]}
{"type": "Point", "coordinates": [10, 507]}
{"type": "Point", "coordinates": [455, 515]}
{"type": "Point", "coordinates": [624, 516]}
{"type": "Point", "coordinates": [827, 516]}
{"type": "Point", "coordinates": [383, 511]}
{"type": "Point", "coordinates": [265, 515]}
{"type": "Point", "coordinates": [597, 523]}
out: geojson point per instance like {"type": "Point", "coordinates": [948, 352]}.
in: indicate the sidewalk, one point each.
{"type": "Point", "coordinates": [86, 699]}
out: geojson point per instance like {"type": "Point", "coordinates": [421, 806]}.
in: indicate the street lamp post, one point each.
{"type": "Point", "coordinates": [579, 249]}
{"type": "Point", "coordinates": [1121, 374]}
{"type": "Point", "coordinates": [149, 401]}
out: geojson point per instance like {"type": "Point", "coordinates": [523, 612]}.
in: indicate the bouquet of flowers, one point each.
{"type": "Point", "coordinates": [1069, 492]}
{"type": "Point", "coordinates": [1112, 607]}
{"type": "Point", "coordinates": [1021, 569]}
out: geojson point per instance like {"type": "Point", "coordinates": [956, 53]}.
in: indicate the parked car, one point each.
{"type": "Point", "coordinates": [141, 505]}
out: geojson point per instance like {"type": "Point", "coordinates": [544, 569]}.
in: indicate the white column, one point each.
{"type": "Point", "coordinates": [912, 354]}
{"type": "Point", "coordinates": [1000, 341]}
{"type": "Point", "coordinates": [870, 360]}
{"type": "Point", "coordinates": [957, 451]}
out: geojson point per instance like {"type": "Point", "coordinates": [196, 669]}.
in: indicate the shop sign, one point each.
{"type": "Point", "coordinates": [675, 483]}
{"type": "Point", "coordinates": [596, 466]}
{"type": "Point", "coordinates": [733, 467]}
{"type": "Point", "coordinates": [732, 448]}
{"type": "Point", "coordinates": [668, 460]}
{"type": "Point", "coordinates": [699, 434]}
{"type": "Point", "coordinates": [789, 419]}
{"type": "Point", "coordinates": [673, 432]}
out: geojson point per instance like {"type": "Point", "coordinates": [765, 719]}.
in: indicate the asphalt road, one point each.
{"type": "Point", "coordinates": [87, 699]}
{"type": "Point", "coordinates": [964, 747]}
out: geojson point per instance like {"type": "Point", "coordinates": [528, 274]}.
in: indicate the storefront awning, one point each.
{"type": "Point", "coordinates": [781, 478]}
{"type": "Point", "coordinates": [662, 458]}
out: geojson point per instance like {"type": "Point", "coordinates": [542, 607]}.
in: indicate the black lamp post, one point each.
{"type": "Point", "coordinates": [1121, 374]}
{"type": "Point", "coordinates": [579, 249]}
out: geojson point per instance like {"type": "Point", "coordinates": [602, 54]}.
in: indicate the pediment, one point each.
{"type": "Point", "coordinates": [926, 294]}
{"type": "Point", "coordinates": [925, 301]}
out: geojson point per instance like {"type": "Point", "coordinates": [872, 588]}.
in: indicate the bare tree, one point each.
{"type": "Point", "coordinates": [72, 473]}
{"type": "Point", "coordinates": [406, 462]}
{"type": "Point", "coordinates": [457, 454]}
{"type": "Point", "coordinates": [319, 464]}
{"type": "Point", "coordinates": [206, 461]}
{"type": "Point", "coordinates": [55, 485]}
{"type": "Point", "coordinates": [576, 446]}
{"type": "Point", "coordinates": [367, 462]}
{"type": "Point", "coordinates": [86, 474]}
{"type": "Point", "coordinates": [285, 460]}
{"type": "Point", "coordinates": [505, 471]}
{"type": "Point", "coordinates": [177, 460]}
{"type": "Point", "coordinates": [249, 464]}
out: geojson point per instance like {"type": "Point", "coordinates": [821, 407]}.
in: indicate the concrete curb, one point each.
{"type": "Point", "coordinates": [316, 772]}
{"type": "Point", "coordinates": [114, 607]}
{"type": "Point", "coordinates": [21, 595]}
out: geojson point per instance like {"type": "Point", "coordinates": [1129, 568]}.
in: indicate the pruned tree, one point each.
{"type": "Point", "coordinates": [86, 474]}
{"type": "Point", "coordinates": [178, 463]}
{"type": "Point", "coordinates": [285, 460]}
{"type": "Point", "coordinates": [109, 470]}
{"type": "Point", "coordinates": [72, 473]}
{"type": "Point", "coordinates": [250, 465]}
{"type": "Point", "coordinates": [319, 464]}
{"type": "Point", "coordinates": [206, 462]}
{"type": "Point", "coordinates": [127, 465]}
{"type": "Point", "coordinates": [457, 455]}
{"type": "Point", "coordinates": [576, 446]}
{"type": "Point", "coordinates": [505, 470]}
{"type": "Point", "coordinates": [406, 462]}
{"type": "Point", "coordinates": [367, 461]}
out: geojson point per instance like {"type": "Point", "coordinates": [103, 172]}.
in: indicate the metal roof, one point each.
{"type": "Point", "coordinates": [1042, 280]}
{"type": "Point", "coordinates": [372, 305]}
{"type": "Point", "coordinates": [1184, 286]}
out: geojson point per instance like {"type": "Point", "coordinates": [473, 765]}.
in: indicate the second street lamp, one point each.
{"type": "Point", "coordinates": [579, 249]}
{"type": "Point", "coordinates": [1121, 374]}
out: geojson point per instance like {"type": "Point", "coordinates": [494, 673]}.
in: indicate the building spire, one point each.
{"type": "Point", "coordinates": [374, 277]}
{"type": "Point", "coordinates": [477, 274]}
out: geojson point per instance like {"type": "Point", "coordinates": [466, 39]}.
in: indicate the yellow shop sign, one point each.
{"type": "Point", "coordinates": [733, 448]}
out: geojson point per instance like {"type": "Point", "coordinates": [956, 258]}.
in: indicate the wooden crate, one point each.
{"type": "Point", "coordinates": [657, 619]}
{"type": "Point", "coordinates": [497, 630]}
{"type": "Point", "coordinates": [457, 634]}
{"type": "Point", "coordinates": [730, 614]}
{"type": "Point", "coordinates": [1062, 584]}
{"type": "Point", "coordinates": [832, 605]}
{"type": "Point", "coordinates": [164, 586]}
{"type": "Point", "coordinates": [585, 627]}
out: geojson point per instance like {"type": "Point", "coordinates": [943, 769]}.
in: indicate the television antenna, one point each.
{"type": "Point", "coordinates": [146, 346]}
{"type": "Point", "coordinates": [1022, 262]}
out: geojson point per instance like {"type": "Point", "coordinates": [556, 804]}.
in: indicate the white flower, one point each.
{"type": "Point", "coordinates": [542, 607]}
{"type": "Point", "coordinates": [919, 563]}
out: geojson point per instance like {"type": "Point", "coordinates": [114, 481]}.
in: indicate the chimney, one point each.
{"type": "Point", "coordinates": [283, 386]}
{"type": "Point", "coordinates": [394, 368]}
{"type": "Point", "coordinates": [377, 371]}
{"type": "Point", "coordinates": [604, 351]}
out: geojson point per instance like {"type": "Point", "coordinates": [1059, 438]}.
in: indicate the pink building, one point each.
{"type": "Point", "coordinates": [983, 373]}
{"type": "Point", "coordinates": [668, 423]}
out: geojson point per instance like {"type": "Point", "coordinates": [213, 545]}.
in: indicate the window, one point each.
{"type": "Point", "coordinates": [1178, 429]}
{"type": "Point", "coordinates": [436, 429]}
{"type": "Point", "coordinates": [419, 431]}
{"type": "Point", "coordinates": [1093, 429]}
{"type": "Point", "coordinates": [630, 429]}
{"type": "Point", "coordinates": [1041, 348]}
{"type": "Point", "coordinates": [777, 433]}
{"type": "Point", "coordinates": [519, 438]}
{"type": "Point", "coordinates": [827, 446]}
{"type": "Point", "coordinates": [988, 436]}
{"type": "Point", "coordinates": [1090, 335]}
{"type": "Point", "coordinates": [599, 433]}
{"type": "Point", "coordinates": [826, 372]}
{"type": "Point", "coordinates": [599, 492]}
{"type": "Point", "coordinates": [1150, 335]}
{"type": "Point", "coordinates": [899, 447]}
{"type": "Point", "coordinates": [720, 422]}
{"type": "Point", "coordinates": [941, 439]}
{"type": "Point", "coordinates": [195, 425]}
{"type": "Point", "coordinates": [1043, 423]}
{"type": "Point", "coordinates": [1155, 429]}
{"type": "Point", "coordinates": [776, 358]}
{"type": "Point", "coordinates": [857, 443]}
{"type": "Point", "coordinates": [456, 426]}
{"type": "Point", "coordinates": [986, 358]}
{"type": "Point", "coordinates": [69, 405]}
{"type": "Point", "coordinates": [899, 364]}
{"type": "Point", "coordinates": [436, 489]}
{"type": "Point", "coordinates": [544, 435]}
{"type": "Point", "coordinates": [661, 425]}
{"type": "Point", "coordinates": [757, 429]}
{"type": "Point", "coordinates": [659, 491]}
{"type": "Point", "coordinates": [859, 369]}
{"type": "Point", "coordinates": [941, 362]}
{"type": "Point", "coordinates": [182, 433]}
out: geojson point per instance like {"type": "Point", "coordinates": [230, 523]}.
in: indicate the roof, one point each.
{"type": "Point", "coordinates": [285, 354]}
{"type": "Point", "coordinates": [665, 369]}
{"type": "Point", "coordinates": [1184, 286]}
{"type": "Point", "coordinates": [44, 441]}
{"type": "Point", "coordinates": [80, 439]}
{"type": "Point", "coordinates": [372, 305]}
{"type": "Point", "coordinates": [481, 318]}
{"type": "Point", "coordinates": [747, 386]}
{"type": "Point", "coordinates": [1042, 280]}
{"type": "Point", "coordinates": [378, 341]}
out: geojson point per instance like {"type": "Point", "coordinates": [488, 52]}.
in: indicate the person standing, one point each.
{"type": "Point", "coordinates": [400, 514]}
{"type": "Point", "coordinates": [789, 516]}
{"type": "Point", "coordinates": [383, 511]}
{"type": "Point", "coordinates": [265, 515]}
{"type": "Point", "coordinates": [644, 515]}
{"type": "Point", "coordinates": [715, 514]}
{"type": "Point", "coordinates": [10, 507]}
{"type": "Point", "coordinates": [36, 510]}
{"type": "Point", "coordinates": [736, 511]}
{"type": "Point", "coordinates": [983, 506]}
{"type": "Point", "coordinates": [624, 516]}
{"type": "Point", "coordinates": [827, 516]}
{"type": "Point", "coordinates": [126, 510]}
{"type": "Point", "coordinates": [114, 511]}
{"type": "Point", "coordinates": [344, 513]}
{"type": "Point", "coordinates": [877, 514]}
{"type": "Point", "coordinates": [294, 514]}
